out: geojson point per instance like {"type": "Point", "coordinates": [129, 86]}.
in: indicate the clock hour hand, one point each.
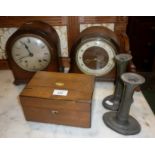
{"type": "Point", "coordinates": [90, 60]}
{"type": "Point", "coordinates": [23, 57]}
{"type": "Point", "coordinates": [27, 48]}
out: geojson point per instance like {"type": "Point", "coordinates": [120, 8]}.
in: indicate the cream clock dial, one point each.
{"type": "Point", "coordinates": [31, 53]}
{"type": "Point", "coordinates": [96, 57]}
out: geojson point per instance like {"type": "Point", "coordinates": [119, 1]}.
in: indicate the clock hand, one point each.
{"type": "Point", "coordinates": [23, 57]}
{"type": "Point", "coordinates": [98, 60]}
{"type": "Point", "coordinates": [89, 60]}
{"type": "Point", "coordinates": [27, 48]}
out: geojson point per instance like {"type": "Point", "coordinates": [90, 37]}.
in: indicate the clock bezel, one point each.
{"type": "Point", "coordinates": [34, 36]}
{"type": "Point", "coordinates": [110, 44]}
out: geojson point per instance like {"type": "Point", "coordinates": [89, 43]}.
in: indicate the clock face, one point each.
{"type": "Point", "coordinates": [31, 53]}
{"type": "Point", "coordinates": [96, 57]}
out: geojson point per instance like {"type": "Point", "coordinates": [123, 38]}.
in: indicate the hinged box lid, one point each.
{"type": "Point", "coordinates": [52, 85]}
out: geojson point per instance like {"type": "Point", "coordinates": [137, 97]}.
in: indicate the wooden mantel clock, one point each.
{"type": "Point", "coordinates": [33, 47]}
{"type": "Point", "coordinates": [94, 51]}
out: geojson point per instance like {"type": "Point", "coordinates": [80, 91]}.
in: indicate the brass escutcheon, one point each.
{"type": "Point", "coordinates": [59, 84]}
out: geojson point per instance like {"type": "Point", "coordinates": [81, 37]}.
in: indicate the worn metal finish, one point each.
{"type": "Point", "coordinates": [112, 102]}
{"type": "Point", "coordinates": [121, 121]}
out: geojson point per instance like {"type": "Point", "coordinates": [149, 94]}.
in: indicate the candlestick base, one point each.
{"type": "Point", "coordinates": [111, 103]}
{"type": "Point", "coordinates": [130, 127]}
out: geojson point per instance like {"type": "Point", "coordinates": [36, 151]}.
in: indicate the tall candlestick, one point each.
{"type": "Point", "coordinates": [112, 102]}
{"type": "Point", "coordinates": [121, 121]}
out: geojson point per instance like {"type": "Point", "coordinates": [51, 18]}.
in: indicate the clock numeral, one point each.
{"type": "Point", "coordinates": [96, 44]}
{"type": "Point", "coordinates": [17, 47]}
{"type": "Point", "coordinates": [42, 60]}
{"type": "Point", "coordinates": [45, 60]}
{"type": "Point", "coordinates": [20, 60]}
{"type": "Point", "coordinates": [26, 63]}
{"type": "Point", "coordinates": [22, 43]}
{"type": "Point", "coordinates": [45, 53]}
{"type": "Point", "coordinates": [42, 47]}
{"type": "Point", "coordinates": [34, 67]}
{"type": "Point", "coordinates": [28, 40]}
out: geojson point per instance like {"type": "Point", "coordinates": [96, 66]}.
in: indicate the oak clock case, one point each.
{"type": "Point", "coordinates": [33, 47]}
{"type": "Point", "coordinates": [94, 51]}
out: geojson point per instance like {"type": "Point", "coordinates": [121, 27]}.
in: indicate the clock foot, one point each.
{"type": "Point", "coordinates": [18, 82]}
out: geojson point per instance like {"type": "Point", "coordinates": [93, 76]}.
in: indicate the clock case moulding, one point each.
{"type": "Point", "coordinates": [120, 41]}
{"type": "Point", "coordinates": [45, 32]}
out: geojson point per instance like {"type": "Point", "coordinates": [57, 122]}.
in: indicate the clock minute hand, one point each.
{"type": "Point", "coordinates": [27, 48]}
{"type": "Point", "coordinates": [30, 53]}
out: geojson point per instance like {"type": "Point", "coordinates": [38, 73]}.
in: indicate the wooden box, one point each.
{"type": "Point", "coordinates": [58, 98]}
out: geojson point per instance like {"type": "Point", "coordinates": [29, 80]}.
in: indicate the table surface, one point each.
{"type": "Point", "coordinates": [13, 123]}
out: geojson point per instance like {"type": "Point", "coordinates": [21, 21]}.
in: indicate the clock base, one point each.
{"type": "Point", "coordinates": [20, 81]}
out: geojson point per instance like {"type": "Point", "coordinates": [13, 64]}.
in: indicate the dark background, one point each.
{"type": "Point", "coordinates": [141, 32]}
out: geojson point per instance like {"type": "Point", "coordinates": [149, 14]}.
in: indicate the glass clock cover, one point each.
{"type": "Point", "coordinates": [31, 53]}
{"type": "Point", "coordinates": [95, 57]}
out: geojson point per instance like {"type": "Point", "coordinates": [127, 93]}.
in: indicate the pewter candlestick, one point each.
{"type": "Point", "coordinates": [121, 121]}
{"type": "Point", "coordinates": [112, 102]}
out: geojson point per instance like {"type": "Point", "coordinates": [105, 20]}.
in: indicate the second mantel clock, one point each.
{"type": "Point", "coordinates": [94, 51]}
{"type": "Point", "coordinates": [33, 47]}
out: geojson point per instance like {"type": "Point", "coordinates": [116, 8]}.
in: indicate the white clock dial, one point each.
{"type": "Point", "coordinates": [95, 57]}
{"type": "Point", "coordinates": [31, 53]}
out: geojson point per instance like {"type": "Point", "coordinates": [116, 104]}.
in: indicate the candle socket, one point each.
{"type": "Point", "coordinates": [121, 121]}
{"type": "Point", "coordinates": [112, 102]}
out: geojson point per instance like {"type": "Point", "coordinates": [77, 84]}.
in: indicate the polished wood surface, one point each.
{"type": "Point", "coordinates": [17, 21]}
{"type": "Point", "coordinates": [4, 64]}
{"type": "Point", "coordinates": [97, 19]}
{"type": "Point", "coordinates": [58, 116]}
{"type": "Point", "coordinates": [74, 109]}
{"type": "Point", "coordinates": [73, 30]}
{"type": "Point", "coordinates": [43, 83]}
{"type": "Point", "coordinates": [121, 24]}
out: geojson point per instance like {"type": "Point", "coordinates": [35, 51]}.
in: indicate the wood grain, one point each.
{"type": "Point", "coordinates": [121, 24]}
{"type": "Point", "coordinates": [4, 64]}
{"type": "Point", "coordinates": [39, 104]}
{"type": "Point", "coordinates": [97, 19]}
{"type": "Point", "coordinates": [16, 21]}
{"type": "Point", "coordinates": [73, 30]}
{"type": "Point", "coordinates": [57, 116]}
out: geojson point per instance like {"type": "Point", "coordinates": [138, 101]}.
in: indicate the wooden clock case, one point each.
{"type": "Point", "coordinates": [119, 40]}
{"type": "Point", "coordinates": [50, 37]}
